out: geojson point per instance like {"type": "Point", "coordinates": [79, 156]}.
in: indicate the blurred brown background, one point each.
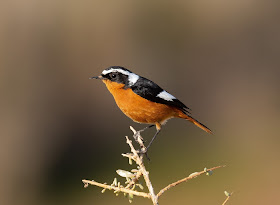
{"type": "Point", "coordinates": [221, 58]}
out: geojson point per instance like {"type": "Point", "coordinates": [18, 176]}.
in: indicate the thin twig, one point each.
{"type": "Point", "coordinates": [134, 180]}
{"type": "Point", "coordinates": [191, 176]}
{"type": "Point", "coordinates": [227, 198]}
{"type": "Point", "coordinates": [119, 189]}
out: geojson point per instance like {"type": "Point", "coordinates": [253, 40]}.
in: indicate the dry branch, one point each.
{"type": "Point", "coordinates": [118, 189]}
{"type": "Point", "coordinates": [191, 176]}
{"type": "Point", "coordinates": [144, 172]}
{"type": "Point", "coordinates": [132, 179]}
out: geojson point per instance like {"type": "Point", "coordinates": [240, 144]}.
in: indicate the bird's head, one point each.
{"type": "Point", "coordinates": [118, 77]}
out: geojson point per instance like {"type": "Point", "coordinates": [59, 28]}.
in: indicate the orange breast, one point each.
{"type": "Point", "coordinates": [137, 108]}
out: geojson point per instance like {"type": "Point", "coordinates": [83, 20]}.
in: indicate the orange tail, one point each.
{"type": "Point", "coordinates": [194, 121]}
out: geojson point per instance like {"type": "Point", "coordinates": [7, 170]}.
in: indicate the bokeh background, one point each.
{"type": "Point", "coordinates": [221, 58]}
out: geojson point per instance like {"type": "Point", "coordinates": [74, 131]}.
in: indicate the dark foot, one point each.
{"type": "Point", "coordinates": [144, 152]}
{"type": "Point", "coordinates": [136, 135]}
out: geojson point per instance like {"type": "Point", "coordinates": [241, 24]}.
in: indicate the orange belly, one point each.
{"type": "Point", "coordinates": [137, 108]}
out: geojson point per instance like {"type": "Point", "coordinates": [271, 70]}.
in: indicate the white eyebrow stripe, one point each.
{"type": "Point", "coordinates": [132, 77]}
{"type": "Point", "coordinates": [166, 96]}
{"type": "Point", "coordinates": [105, 72]}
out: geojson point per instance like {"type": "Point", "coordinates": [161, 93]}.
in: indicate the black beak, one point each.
{"type": "Point", "coordinates": [97, 77]}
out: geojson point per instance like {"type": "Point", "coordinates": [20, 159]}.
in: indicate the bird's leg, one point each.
{"type": "Point", "coordinates": [143, 149]}
{"type": "Point", "coordinates": [137, 134]}
{"type": "Point", "coordinates": [154, 137]}
{"type": "Point", "coordinates": [146, 128]}
{"type": "Point", "coordinates": [146, 150]}
{"type": "Point", "coordinates": [158, 126]}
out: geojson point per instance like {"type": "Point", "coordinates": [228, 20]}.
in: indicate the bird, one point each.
{"type": "Point", "coordinates": [144, 101]}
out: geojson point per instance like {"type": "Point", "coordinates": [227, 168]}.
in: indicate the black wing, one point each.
{"type": "Point", "coordinates": [149, 90]}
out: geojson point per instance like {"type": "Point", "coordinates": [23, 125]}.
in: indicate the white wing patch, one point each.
{"type": "Point", "coordinates": [166, 96]}
{"type": "Point", "coordinates": [132, 77]}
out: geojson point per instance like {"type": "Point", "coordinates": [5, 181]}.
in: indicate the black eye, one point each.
{"type": "Point", "coordinates": [113, 75]}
